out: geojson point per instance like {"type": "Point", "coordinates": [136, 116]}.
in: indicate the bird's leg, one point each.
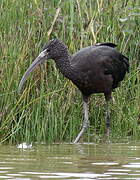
{"type": "Point", "coordinates": [86, 120]}
{"type": "Point", "coordinates": [107, 118]}
{"type": "Point", "coordinates": [107, 114]}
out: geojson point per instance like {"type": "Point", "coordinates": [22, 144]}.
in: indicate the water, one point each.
{"type": "Point", "coordinates": [69, 161]}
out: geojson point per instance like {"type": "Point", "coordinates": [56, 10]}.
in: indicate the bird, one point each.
{"type": "Point", "coordinates": [94, 69]}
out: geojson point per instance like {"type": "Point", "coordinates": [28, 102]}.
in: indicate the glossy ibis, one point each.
{"type": "Point", "coordinates": [94, 69]}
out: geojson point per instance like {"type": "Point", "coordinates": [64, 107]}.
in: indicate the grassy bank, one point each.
{"type": "Point", "coordinates": [49, 109]}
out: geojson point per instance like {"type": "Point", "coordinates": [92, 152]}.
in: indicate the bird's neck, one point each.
{"type": "Point", "coordinates": [64, 66]}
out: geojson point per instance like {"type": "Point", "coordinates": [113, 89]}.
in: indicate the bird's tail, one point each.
{"type": "Point", "coordinates": [106, 44]}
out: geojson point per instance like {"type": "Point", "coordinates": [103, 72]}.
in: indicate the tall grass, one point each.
{"type": "Point", "coordinates": [49, 109]}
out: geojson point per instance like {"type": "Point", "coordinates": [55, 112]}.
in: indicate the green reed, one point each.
{"type": "Point", "coordinates": [49, 109]}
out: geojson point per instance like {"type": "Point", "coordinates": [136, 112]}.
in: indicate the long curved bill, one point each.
{"type": "Point", "coordinates": [40, 59]}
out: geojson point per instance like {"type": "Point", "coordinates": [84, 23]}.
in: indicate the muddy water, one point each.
{"type": "Point", "coordinates": [67, 161]}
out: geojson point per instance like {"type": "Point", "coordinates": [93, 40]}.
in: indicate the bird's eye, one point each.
{"type": "Point", "coordinates": [48, 50]}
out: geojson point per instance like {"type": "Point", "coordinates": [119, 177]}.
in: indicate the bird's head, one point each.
{"type": "Point", "coordinates": [55, 49]}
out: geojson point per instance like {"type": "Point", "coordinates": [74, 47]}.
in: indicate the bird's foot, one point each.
{"type": "Point", "coordinates": [76, 140]}
{"type": "Point", "coordinates": [107, 132]}
{"type": "Point", "coordinates": [78, 137]}
{"type": "Point", "coordinates": [80, 134]}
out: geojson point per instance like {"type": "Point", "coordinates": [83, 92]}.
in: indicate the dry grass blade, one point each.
{"type": "Point", "coordinates": [55, 18]}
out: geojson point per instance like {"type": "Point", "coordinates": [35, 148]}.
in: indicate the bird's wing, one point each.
{"type": "Point", "coordinates": [102, 53]}
{"type": "Point", "coordinates": [90, 50]}
{"type": "Point", "coordinates": [105, 59]}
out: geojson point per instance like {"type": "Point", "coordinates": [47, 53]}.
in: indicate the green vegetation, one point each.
{"type": "Point", "coordinates": [49, 109]}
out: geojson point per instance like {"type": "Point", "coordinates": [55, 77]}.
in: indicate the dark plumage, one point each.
{"type": "Point", "coordinates": [94, 69]}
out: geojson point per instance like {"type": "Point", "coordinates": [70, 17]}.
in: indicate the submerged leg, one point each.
{"type": "Point", "coordinates": [86, 120]}
{"type": "Point", "coordinates": [107, 113]}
